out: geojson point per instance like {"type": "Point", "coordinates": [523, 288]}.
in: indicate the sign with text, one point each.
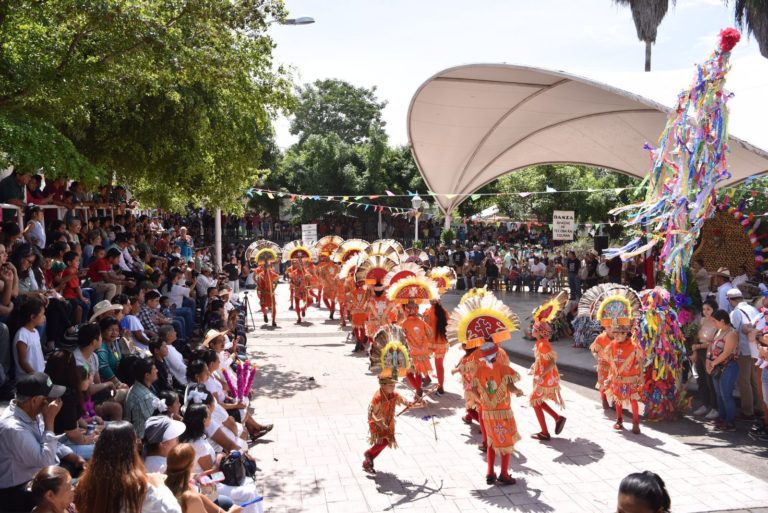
{"type": "Point", "coordinates": [562, 224]}
{"type": "Point", "coordinates": [308, 234]}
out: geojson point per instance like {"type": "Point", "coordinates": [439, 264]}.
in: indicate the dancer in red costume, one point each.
{"type": "Point", "coordinates": [624, 383]}
{"type": "Point", "coordinates": [381, 411]}
{"type": "Point", "coordinates": [266, 279]}
{"type": "Point", "coordinates": [546, 378]}
{"type": "Point", "coordinates": [437, 319]}
{"type": "Point", "coordinates": [599, 349]}
{"type": "Point", "coordinates": [298, 276]}
{"type": "Point", "coordinates": [494, 385]}
{"type": "Point", "coordinates": [409, 292]}
{"type": "Point", "coordinates": [327, 273]}
{"type": "Point", "coordinates": [380, 310]}
{"type": "Point", "coordinates": [478, 319]}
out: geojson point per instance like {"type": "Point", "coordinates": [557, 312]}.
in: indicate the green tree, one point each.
{"type": "Point", "coordinates": [647, 15]}
{"type": "Point", "coordinates": [588, 206]}
{"type": "Point", "coordinates": [753, 14]}
{"type": "Point", "coordinates": [336, 106]}
{"type": "Point", "coordinates": [171, 92]}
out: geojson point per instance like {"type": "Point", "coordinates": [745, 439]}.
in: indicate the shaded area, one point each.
{"type": "Point", "coordinates": [388, 484]}
{"type": "Point", "coordinates": [278, 384]}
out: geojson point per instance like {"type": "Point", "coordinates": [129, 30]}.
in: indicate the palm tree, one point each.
{"type": "Point", "coordinates": [753, 14]}
{"type": "Point", "coordinates": [647, 15]}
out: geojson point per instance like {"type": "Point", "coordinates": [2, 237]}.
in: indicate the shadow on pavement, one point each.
{"type": "Point", "coordinates": [520, 498]}
{"type": "Point", "coordinates": [276, 384]}
{"type": "Point", "coordinates": [577, 451]}
{"type": "Point", "coordinates": [389, 484]}
{"type": "Point", "coordinates": [646, 441]}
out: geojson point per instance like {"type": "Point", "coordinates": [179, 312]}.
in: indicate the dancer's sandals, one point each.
{"type": "Point", "coordinates": [636, 429]}
{"type": "Point", "coordinates": [559, 425]}
{"type": "Point", "coordinates": [483, 447]}
{"type": "Point", "coordinates": [506, 480]}
{"type": "Point", "coordinates": [618, 426]}
{"type": "Point", "coordinates": [467, 419]}
{"type": "Point", "coordinates": [490, 479]}
{"type": "Point", "coordinates": [540, 436]}
{"type": "Point", "coordinates": [368, 465]}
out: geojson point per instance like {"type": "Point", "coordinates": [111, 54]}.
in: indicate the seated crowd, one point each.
{"type": "Point", "coordinates": [113, 348]}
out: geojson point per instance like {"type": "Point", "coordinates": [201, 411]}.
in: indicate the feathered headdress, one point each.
{"type": "Point", "coordinates": [256, 246]}
{"type": "Point", "coordinates": [594, 296]}
{"type": "Point", "coordinates": [481, 319]}
{"type": "Point", "coordinates": [618, 310]}
{"type": "Point", "coordinates": [348, 249]}
{"type": "Point", "coordinates": [402, 271]}
{"type": "Point", "coordinates": [295, 249]}
{"type": "Point", "coordinates": [395, 361]}
{"type": "Point", "coordinates": [548, 311]}
{"type": "Point", "coordinates": [476, 292]}
{"type": "Point", "coordinates": [417, 256]}
{"type": "Point", "coordinates": [350, 266]}
{"type": "Point", "coordinates": [444, 277]}
{"type": "Point", "coordinates": [418, 289]}
{"type": "Point", "coordinates": [328, 245]}
{"type": "Point", "coordinates": [387, 248]}
{"type": "Point", "coordinates": [373, 269]}
{"type": "Point", "coordinates": [267, 253]}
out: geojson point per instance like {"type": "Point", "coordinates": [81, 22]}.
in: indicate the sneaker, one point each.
{"type": "Point", "coordinates": [712, 415]}
{"type": "Point", "coordinates": [701, 410]}
{"type": "Point", "coordinates": [759, 437]}
{"type": "Point", "coordinates": [726, 427]}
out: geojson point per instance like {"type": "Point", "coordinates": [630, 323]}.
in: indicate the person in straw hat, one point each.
{"type": "Point", "coordinates": [103, 308]}
{"type": "Point", "coordinates": [722, 280]}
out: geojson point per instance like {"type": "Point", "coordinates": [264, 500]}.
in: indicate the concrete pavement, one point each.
{"type": "Point", "coordinates": [317, 393]}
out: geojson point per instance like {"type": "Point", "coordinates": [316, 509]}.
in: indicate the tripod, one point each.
{"type": "Point", "coordinates": [248, 312]}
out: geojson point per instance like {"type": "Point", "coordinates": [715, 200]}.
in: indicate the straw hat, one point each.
{"type": "Point", "coordinates": [212, 334]}
{"type": "Point", "coordinates": [722, 271]}
{"type": "Point", "coordinates": [103, 307]}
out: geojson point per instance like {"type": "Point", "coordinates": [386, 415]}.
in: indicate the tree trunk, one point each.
{"type": "Point", "coordinates": [648, 55]}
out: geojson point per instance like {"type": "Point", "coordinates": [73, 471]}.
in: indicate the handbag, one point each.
{"type": "Point", "coordinates": [236, 466]}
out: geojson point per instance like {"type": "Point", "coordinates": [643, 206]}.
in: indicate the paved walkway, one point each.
{"type": "Point", "coordinates": [317, 393]}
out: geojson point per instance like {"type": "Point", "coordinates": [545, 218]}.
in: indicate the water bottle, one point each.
{"type": "Point", "coordinates": [90, 429]}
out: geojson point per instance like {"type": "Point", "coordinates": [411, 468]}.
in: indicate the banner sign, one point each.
{"type": "Point", "coordinates": [308, 234]}
{"type": "Point", "coordinates": [562, 224]}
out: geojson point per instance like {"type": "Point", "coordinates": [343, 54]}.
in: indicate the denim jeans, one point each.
{"type": "Point", "coordinates": [188, 314]}
{"type": "Point", "coordinates": [575, 285]}
{"type": "Point", "coordinates": [84, 451]}
{"type": "Point", "coordinates": [724, 385]}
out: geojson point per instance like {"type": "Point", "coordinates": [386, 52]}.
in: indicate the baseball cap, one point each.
{"type": "Point", "coordinates": [37, 384]}
{"type": "Point", "coordinates": [733, 293]}
{"type": "Point", "coordinates": [160, 429]}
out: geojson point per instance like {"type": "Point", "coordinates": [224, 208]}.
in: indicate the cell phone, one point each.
{"type": "Point", "coordinates": [205, 480]}
{"type": "Point", "coordinates": [217, 477]}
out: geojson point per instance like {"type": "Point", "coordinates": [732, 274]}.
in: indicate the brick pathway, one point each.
{"type": "Point", "coordinates": [316, 392]}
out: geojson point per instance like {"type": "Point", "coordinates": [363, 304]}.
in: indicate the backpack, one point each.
{"type": "Point", "coordinates": [236, 466]}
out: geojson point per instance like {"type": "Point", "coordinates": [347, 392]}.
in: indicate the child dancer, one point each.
{"type": "Point", "coordinates": [546, 378]}
{"type": "Point", "coordinates": [599, 350]}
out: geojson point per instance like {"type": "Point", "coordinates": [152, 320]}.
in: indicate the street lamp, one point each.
{"type": "Point", "coordinates": [304, 20]}
{"type": "Point", "coordinates": [416, 202]}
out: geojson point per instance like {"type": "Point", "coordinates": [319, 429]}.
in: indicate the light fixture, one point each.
{"type": "Point", "coordinates": [304, 20]}
{"type": "Point", "coordinates": [416, 202]}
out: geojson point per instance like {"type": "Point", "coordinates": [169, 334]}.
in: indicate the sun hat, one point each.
{"type": "Point", "coordinates": [212, 334]}
{"type": "Point", "coordinates": [103, 307]}
{"type": "Point", "coordinates": [734, 293]}
{"type": "Point", "coordinates": [160, 429]}
{"type": "Point", "coordinates": [722, 271]}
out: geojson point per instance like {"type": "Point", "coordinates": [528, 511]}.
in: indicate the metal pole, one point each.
{"type": "Point", "coordinates": [217, 229]}
{"type": "Point", "coordinates": [416, 238]}
{"type": "Point", "coordinates": [380, 227]}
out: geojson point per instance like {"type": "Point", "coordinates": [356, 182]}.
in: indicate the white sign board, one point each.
{"type": "Point", "coordinates": [562, 224]}
{"type": "Point", "coordinates": [308, 234]}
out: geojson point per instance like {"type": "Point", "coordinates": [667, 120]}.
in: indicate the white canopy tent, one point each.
{"type": "Point", "coordinates": [470, 125]}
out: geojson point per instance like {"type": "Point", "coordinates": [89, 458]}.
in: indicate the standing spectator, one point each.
{"type": "Point", "coordinates": [71, 290]}
{"type": "Point", "coordinates": [741, 278]}
{"type": "Point", "coordinates": [615, 269]}
{"type": "Point", "coordinates": [724, 369]}
{"type": "Point", "coordinates": [34, 232]}
{"type": "Point", "coordinates": [27, 442]}
{"type": "Point", "coordinates": [706, 389]}
{"type": "Point", "coordinates": [702, 277]}
{"type": "Point", "coordinates": [185, 244]}
{"type": "Point", "coordinates": [13, 191]}
{"type": "Point", "coordinates": [745, 318]}
{"type": "Point", "coordinates": [27, 350]}
{"type": "Point", "coordinates": [537, 273]}
{"type": "Point", "coordinates": [572, 266]}
{"type": "Point", "coordinates": [115, 479]}
{"type": "Point", "coordinates": [722, 280]}
{"type": "Point", "coordinates": [232, 269]}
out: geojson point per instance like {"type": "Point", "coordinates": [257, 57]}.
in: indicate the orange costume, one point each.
{"type": "Point", "coordinates": [327, 273]}
{"type": "Point", "coordinates": [381, 418]}
{"type": "Point", "coordinates": [546, 378]}
{"type": "Point", "coordinates": [624, 380]}
{"type": "Point", "coordinates": [300, 258]}
{"type": "Point", "coordinates": [265, 254]}
{"type": "Point", "coordinates": [418, 336]}
{"type": "Point", "coordinates": [438, 345]}
{"type": "Point", "coordinates": [599, 349]}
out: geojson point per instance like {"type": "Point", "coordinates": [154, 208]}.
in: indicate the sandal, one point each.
{"type": "Point", "coordinates": [618, 426]}
{"type": "Point", "coordinates": [483, 447]}
{"type": "Point", "coordinates": [506, 480]}
{"type": "Point", "coordinates": [266, 428]}
{"type": "Point", "coordinates": [559, 425]}
{"type": "Point", "coordinates": [368, 464]}
{"type": "Point", "coordinates": [467, 419]}
{"type": "Point", "coordinates": [636, 429]}
{"type": "Point", "coordinates": [490, 479]}
{"type": "Point", "coordinates": [540, 436]}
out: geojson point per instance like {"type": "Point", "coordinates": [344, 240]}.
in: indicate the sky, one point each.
{"type": "Point", "coordinates": [396, 45]}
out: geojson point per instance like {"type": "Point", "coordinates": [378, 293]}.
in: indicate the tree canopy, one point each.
{"type": "Point", "coordinates": [336, 106]}
{"type": "Point", "coordinates": [173, 98]}
{"type": "Point", "coordinates": [588, 206]}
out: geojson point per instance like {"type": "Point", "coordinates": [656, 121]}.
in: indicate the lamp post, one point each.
{"type": "Point", "coordinates": [304, 20]}
{"type": "Point", "coordinates": [416, 203]}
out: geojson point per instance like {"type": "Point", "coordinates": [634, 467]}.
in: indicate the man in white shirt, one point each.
{"type": "Point", "coordinates": [205, 280]}
{"type": "Point", "coordinates": [744, 319]}
{"type": "Point", "coordinates": [538, 271]}
{"type": "Point", "coordinates": [722, 279]}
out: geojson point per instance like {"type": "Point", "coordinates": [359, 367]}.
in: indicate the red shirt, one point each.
{"type": "Point", "coordinates": [98, 266]}
{"type": "Point", "coordinates": [71, 284]}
